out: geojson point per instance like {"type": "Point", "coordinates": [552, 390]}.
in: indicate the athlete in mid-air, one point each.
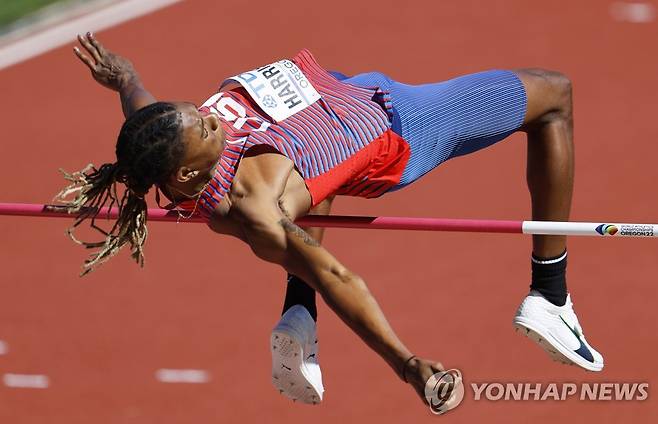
{"type": "Point", "coordinates": [280, 141]}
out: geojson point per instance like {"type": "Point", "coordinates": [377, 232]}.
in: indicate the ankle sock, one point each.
{"type": "Point", "coordinates": [300, 293]}
{"type": "Point", "coordinates": [549, 278]}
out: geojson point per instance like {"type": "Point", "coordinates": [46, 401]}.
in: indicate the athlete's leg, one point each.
{"type": "Point", "coordinates": [546, 315]}
{"type": "Point", "coordinates": [297, 291]}
{"type": "Point", "coordinates": [295, 367]}
{"type": "Point", "coordinates": [550, 171]}
{"type": "Point", "coordinates": [550, 168]}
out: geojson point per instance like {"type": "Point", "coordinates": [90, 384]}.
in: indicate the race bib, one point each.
{"type": "Point", "coordinates": [281, 89]}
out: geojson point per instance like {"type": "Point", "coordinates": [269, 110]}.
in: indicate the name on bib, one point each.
{"type": "Point", "coordinates": [280, 89]}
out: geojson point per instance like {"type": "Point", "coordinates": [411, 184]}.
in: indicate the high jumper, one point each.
{"type": "Point", "coordinates": [281, 141]}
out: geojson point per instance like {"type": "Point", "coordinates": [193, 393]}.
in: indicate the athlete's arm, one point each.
{"type": "Point", "coordinates": [274, 237]}
{"type": "Point", "coordinates": [114, 72]}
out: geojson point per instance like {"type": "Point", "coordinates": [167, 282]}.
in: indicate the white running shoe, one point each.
{"type": "Point", "coordinates": [295, 367]}
{"type": "Point", "coordinates": [556, 330]}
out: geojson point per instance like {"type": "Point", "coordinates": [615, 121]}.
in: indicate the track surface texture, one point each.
{"type": "Point", "coordinates": [101, 339]}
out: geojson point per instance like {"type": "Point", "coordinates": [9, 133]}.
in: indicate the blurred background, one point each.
{"type": "Point", "coordinates": [186, 338]}
{"type": "Point", "coordinates": [16, 13]}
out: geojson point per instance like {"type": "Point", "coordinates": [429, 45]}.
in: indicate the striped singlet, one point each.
{"type": "Point", "coordinates": [341, 144]}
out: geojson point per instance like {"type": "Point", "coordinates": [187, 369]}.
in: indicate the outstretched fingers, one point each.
{"type": "Point", "coordinates": [97, 44]}
{"type": "Point", "coordinates": [85, 59]}
{"type": "Point", "coordinates": [85, 40]}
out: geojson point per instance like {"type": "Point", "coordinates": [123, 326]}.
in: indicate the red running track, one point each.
{"type": "Point", "coordinates": [101, 339]}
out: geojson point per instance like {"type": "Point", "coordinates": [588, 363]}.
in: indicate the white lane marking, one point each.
{"type": "Point", "coordinates": [65, 32]}
{"type": "Point", "coordinates": [26, 381]}
{"type": "Point", "coordinates": [166, 375]}
{"type": "Point", "coordinates": [635, 12]}
{"type": "Point", "coordinates": [4, 347]}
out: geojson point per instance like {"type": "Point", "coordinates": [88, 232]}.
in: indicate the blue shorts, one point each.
{"type": "Point", "coordinates": [452, 118]}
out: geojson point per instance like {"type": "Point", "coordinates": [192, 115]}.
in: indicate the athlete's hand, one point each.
{"type": "Point", "coordinates": [445, 393]}
{"type": "Point", "coordinates": [109, 69]}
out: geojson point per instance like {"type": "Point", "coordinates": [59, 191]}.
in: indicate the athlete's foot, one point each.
{"type": "Point", "coordinates": [295, 367]}
{"type": "Point", "coordinates": [556, 330]}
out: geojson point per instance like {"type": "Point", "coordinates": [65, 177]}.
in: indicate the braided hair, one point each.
{"type": "Point", "coordinates": [149, 149]}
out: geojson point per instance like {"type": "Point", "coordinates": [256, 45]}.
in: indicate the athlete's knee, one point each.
{"type": "Point", "coordinates": [553, 91]}
{"type": "Point", "coordinates": [562, 89]}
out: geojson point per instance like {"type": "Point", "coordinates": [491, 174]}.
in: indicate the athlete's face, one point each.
{"type": "Point", "coordinates": [203, 138]}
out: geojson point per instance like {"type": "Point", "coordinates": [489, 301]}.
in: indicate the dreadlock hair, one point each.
{"type": "Point", "coordinates": [149, 149]}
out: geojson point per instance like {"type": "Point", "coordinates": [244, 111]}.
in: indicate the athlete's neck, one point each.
{"type": "Point", "coordinates": [189, 190]}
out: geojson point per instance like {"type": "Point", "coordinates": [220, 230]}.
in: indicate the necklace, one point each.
{"type": "Point", "coordinates": [197, 195]}
{"type": "Point", "coordinates": [196, 203]}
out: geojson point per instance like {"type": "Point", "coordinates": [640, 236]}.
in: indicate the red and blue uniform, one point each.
{"type": "Point", "coordinates": [342, 144]}
{"type": "Point", "coordinates": [367, 134]}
